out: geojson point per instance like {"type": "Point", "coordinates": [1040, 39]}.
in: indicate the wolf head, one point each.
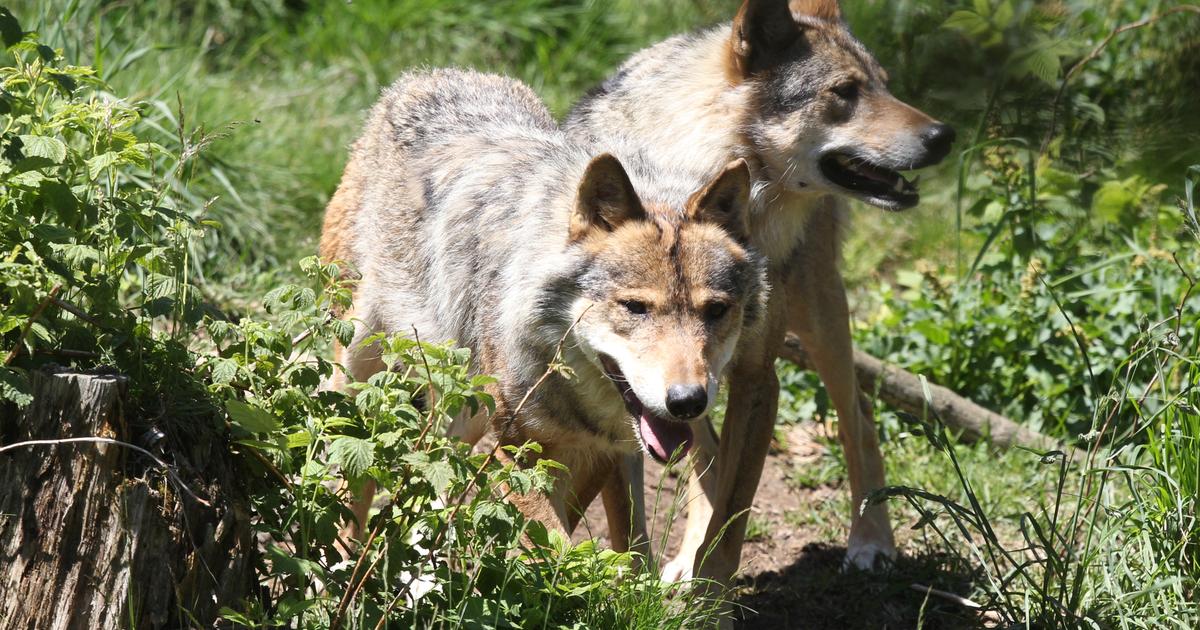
{"type": "Point", "coordinates": [823, 118]}
{"type": "Point", "coordinates": [666, 294]}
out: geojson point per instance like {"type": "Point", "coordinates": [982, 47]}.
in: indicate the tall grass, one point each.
{"type": "Point", "coordinates": [1114, 540]}
{"type": "Point", "coordinates": [285, 85]}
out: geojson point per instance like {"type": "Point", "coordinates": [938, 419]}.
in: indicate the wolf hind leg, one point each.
{"type": "Point", "coordinates": [625, 506]}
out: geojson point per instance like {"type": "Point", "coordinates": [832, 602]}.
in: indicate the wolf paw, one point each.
{"type": "Point", "coordinates": [677, 570]}
{"type": "Point", "coordinates": [869, 556]}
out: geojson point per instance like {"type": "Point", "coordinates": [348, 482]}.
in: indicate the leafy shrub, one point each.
{"type": "Point", "coordinates": [95, 262]}
{"type": "Point", "coordinates": [97, 232]}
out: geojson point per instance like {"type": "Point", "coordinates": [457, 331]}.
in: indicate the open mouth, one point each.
{"type": "Point", "coordinates": [661, 436]}
{"type": "Point", "coordinates": [875, 184]}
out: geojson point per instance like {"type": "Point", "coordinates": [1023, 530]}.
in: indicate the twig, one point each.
{"type": "Point", "coordinates": [76, 311]}
{"type": "Point", "coordinates": [350, 593]}
{"type": "Point", "coordinates": [957, 599]}
{"type": "Point", "coordinates": [298, 339]}
{"type": "Point", "coordinates": [103, 440]}
{"type": "Point", "coordinates": [1186, 294]}
{"type": "Point", "coordinates": [69, 354]}
{"type": "Point", "coordinates": [37, 312]}
{"type": "Point", "coordinates": [429, 402]}
{"type": "Point", "coordinates": [1091, 56]}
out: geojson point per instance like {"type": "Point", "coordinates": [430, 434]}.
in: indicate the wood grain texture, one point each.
{"type": "Point", "coordinates": [91, 537]}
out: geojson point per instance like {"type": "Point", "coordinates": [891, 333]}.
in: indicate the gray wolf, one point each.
{"type": "Point", "coordinates": [470, 216]}
{"type": "Point", "coordinates": [788, 88]}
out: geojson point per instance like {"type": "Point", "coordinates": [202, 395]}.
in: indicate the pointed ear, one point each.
{"type": "Point", "coordinates": [821, 9]}
{"type": "Point", "coordinates": [762, 29]}
{"type": "Point", "coordinates": [725, 201]}
{"type": "Point", "coordinates": [606, 198]}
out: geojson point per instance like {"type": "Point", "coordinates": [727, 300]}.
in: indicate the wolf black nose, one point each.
{"type": "Point", "coordinates": [938, 139]}
{"type": "Point", "coordinates": [686, 401]}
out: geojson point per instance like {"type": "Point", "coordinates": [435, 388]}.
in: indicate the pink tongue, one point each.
{"type": "Point", "coordinates": [664, 437]}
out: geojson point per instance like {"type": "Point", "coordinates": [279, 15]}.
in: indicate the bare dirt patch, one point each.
{"type": "Point", "coordinates": [791, 571]}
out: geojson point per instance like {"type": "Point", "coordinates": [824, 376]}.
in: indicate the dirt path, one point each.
{"type": "Point", "coordinates": [791, 572]}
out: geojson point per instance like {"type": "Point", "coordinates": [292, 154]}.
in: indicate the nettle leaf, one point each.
{"type": "Point", "coordinates": [14, 387]}
{"type": "Point", "coordinates": [1042, 63]}
{"type": "Point", "coordinates": [224, 370]}
{"type": "Point", "coordinates": [440, 475]}
{"type": "Point", "coordinates": [343, 331]}
{"type": "Point", "coordinates": [967, 22]}
{"type": "Point", "coordinates": [97, 165]}
{"type": "Point", "coordinates": [489, 511]}
{"type": "Point", "coordinates": [354, 455]}
{"type": "Point", "coordinates": [250, 418]}
{"type": "Point", "coordinates": [49, 232]}
{"type": "Point", "coordinates": [283, 563]}
{"type": "Point", "coordinates": [299, 439]}
{"type": "Point", "coordinates": [46, 147]}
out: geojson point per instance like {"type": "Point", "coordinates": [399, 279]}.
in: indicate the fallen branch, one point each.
{"type": "Point", "coordinates": [902, 389]}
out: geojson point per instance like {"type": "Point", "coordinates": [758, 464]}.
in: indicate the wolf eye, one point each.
{"type": "Point", "coordinates": [715, 310]}
{"type": "Point", "coordinates": [846, 91]}
{"type": "Point", "coordinates": [635, 307]}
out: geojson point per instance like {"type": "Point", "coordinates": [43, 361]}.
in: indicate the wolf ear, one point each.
{"type": "Point", "coordinates": [761, 28]}
{"type": "Point", "coordinates": [764, 28]}
{"type": "Point", "coordinates": [725, 201]}
{"type": "Point", "coordinates": [606, 198]}
{"type": "Point", "coordinates": [821, 9]}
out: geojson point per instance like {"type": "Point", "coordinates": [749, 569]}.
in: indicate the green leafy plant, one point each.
{"type": "Point", "coordinates": [98, 233]}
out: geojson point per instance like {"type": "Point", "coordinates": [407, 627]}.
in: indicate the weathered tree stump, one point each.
{"type": "Point", "coordinates": [98, 535]}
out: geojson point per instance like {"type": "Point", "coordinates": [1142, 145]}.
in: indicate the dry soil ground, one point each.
{"type": "Point", "coordinates": [791, 572]}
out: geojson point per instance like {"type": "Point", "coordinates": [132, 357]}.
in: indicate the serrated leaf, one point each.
{"type": "Point", "coordinates": [967, 22]}
{"type": "Point", "coordinates": [1003, 15]}
{"type": "Point", "coordinates": [51, 233]}
{"type": "Point", "coordinates": [489, 511]}
{"type": "Point", "coordinates": [1042, 63]}
{"type": "Point", "coordinates": [284, 563]}
{"type": "Point", "coordinates": [299, 439]}
{"type": "Point", "coordinates": [46, 147]}
{"type": "Point", "coordinates": [250, 418]}
{"type": "Point", "coordinates": [14, 387]}
{"type": "Point", "coordinates": [97, 164]}
{"type": "Point", "coordinates": [224, 370]}
{"type": "Point", "coordinates": [353, 454]}
{"type": "Point", "coordinates": [440, 474]}
{"type": "Point", "coordinates": [343, 331]}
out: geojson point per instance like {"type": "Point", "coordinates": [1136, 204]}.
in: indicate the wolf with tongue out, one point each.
{"type": "Point", "coordinates": [471, 216]}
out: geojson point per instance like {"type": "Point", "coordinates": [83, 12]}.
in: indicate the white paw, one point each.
{"type": "Point", "coordinates": [677, 570]}
{"type": "Point", "coordinates": [869, 555]}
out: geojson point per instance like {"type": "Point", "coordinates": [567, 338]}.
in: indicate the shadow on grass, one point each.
{"type": "Point", "coordinates": [815, 593]}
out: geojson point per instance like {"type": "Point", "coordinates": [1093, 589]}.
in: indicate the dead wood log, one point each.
{"type": "Point", "coordinates": [902, 389]}
{"type": "Point", "coordinates": [97, 535]}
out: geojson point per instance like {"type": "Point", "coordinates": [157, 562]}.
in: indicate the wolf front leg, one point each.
{"type": "Point", "coordinates": [701, 488]}
{"type": "Point", "coordinates": [745, 438]}
{"type": "Point", "coordinates": [820, 317]}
